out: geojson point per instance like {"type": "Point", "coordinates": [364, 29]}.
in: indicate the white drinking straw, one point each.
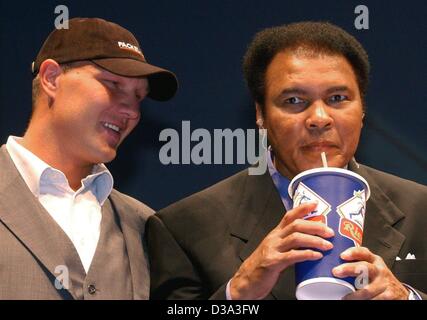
{"type": "Point", "coordinates": [324, 161]}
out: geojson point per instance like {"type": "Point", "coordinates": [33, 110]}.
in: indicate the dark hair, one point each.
{"type": "Point", "coordinates": [317, 37]}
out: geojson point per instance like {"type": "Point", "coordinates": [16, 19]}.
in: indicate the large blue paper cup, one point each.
{"type": "Point", "coordinates": [341, 195]}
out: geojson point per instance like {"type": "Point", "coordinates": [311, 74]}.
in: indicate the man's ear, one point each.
{"type": "Point", "coordinates": [48, 75]}
{"type": "Point", "coordinates": [363, 117]}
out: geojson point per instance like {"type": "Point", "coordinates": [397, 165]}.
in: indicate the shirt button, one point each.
{"type": "Point", "coordinates": [91, 289]}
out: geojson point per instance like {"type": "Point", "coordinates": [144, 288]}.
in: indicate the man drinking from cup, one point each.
{"type": "Point", "coordinates": [241, 238]}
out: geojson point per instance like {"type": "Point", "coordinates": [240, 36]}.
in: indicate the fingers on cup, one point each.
{"type": "Point", "coordinates": [298, 213]}
{"type": "Point", "coordinates": [355, 269]}
{"type": "Point", "coordinates": [309, 227]}
{"type": "Point", "coordinates": [294, 256]}
{"type": "Point", "coordinates": [358, 254]}
{"type": "Point", "coordinates": [299, 240]}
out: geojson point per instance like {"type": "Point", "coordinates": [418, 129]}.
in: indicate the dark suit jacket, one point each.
{"type": "Point", "coordinates": [32, 244]}
{"type": "Point", "coordinates": [197, 244]}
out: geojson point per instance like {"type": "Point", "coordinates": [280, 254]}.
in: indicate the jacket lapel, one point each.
{"type": "Point", "coordinates": [24, 216]}
{"type": "Point", "coordinates": [381, 215]}
{"type": "Point", "coordinates": [260, 211]}
{"type": "Point", "coordinates": [132, 226]}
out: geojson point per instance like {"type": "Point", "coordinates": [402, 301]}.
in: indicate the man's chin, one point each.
{"type": "Point", "coordinates": [110, 158]}
{"type": "Point", "coordinates": [107, 155]}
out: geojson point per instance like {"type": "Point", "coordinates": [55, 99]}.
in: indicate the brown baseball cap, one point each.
{"type": "Point", "coordinates": [109, 46]}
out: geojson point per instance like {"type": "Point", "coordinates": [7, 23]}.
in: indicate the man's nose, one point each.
{"type": "Point", "coordinates": [319, 117]}
{"type": "Point", "coordinates": [130, 106]}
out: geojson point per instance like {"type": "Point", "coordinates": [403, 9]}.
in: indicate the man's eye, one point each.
{"type": "Point", "coordinates": [337, 98]}
{"type": "Point", "coordinates": [111, 83]}
{"type": "Point", "coordinates": [294, 100]}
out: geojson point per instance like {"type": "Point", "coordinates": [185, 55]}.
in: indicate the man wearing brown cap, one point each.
{"type": "Point", "coordinates": [65, 233]}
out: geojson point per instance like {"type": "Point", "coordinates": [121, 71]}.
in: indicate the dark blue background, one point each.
{"type": "Point", "coordinates": [203, 43]}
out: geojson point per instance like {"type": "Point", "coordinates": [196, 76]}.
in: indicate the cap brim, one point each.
{"type": "Point", "coordinates": [163, 83]}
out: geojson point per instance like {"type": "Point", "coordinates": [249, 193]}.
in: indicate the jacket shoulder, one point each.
{"type": "Point", "coordinates": [410, 197]}
{"type": "Point", "coordinates": [143, 210]}
{"type": "Point", "coordinates": [394, 185]}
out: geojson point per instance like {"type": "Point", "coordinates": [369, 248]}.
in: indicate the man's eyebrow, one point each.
{"type": "Point", "coordinates": [300, 91]}
{"type": "Point", "coordinates": [292, 90]}
{"type": "Point", "coordinates": [337, 88]}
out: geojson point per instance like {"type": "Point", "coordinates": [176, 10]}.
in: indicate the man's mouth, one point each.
{"type": "Point", "coordinates": [112, 127]}
{"type": "Point", "coordinates": [114, 132]}
{"type": "Point", "coordinates": [319, 146]}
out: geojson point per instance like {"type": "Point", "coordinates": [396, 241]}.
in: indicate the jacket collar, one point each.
{"type": "Point", "coordinates": [260, 211]}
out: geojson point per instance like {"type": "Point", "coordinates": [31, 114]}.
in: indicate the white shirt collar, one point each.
{"type": "Point", "coordinates": [37, 173]}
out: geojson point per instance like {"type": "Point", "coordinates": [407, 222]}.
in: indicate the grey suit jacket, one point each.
{"type": "Point", "coordinates": [197, 244]}
{"type": "Point", "coordinates": [31, 246]}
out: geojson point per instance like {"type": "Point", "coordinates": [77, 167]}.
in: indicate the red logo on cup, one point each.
{"type": "Point", "coordinates": [351, 230]}
{"type": "Point", "coordinates": [320, 218]}
{"type": "Point", "coordinates": [352, 214]}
